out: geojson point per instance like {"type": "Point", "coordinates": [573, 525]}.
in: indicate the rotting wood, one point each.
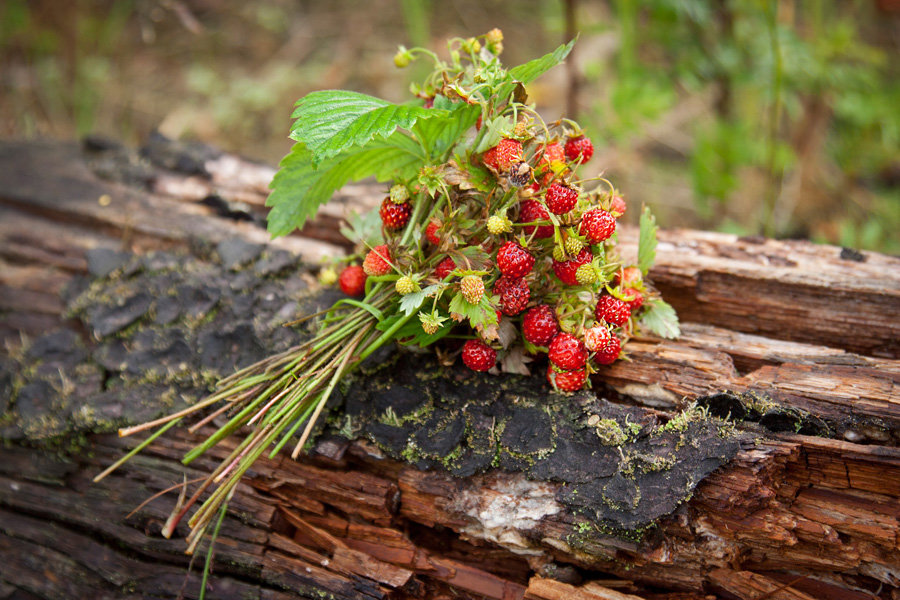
{"type": "Point", "coordinates": [788, 507]}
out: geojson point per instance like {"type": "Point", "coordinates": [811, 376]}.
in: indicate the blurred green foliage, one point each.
{"type": "Point", "coordinates": [775, 116]}
{"type": "Point", "coordinates": [804, 111]}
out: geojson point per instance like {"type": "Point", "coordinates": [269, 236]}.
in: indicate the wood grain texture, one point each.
{"type": "Point", "coordinates": [789, 516]}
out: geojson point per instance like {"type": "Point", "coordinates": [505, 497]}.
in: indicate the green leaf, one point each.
{"type": "Point", "coordinates": [647, 241]}
{"type": "Point", "coordinates": [364, 229]}
{"type": "Point", "coordinates": [440, 134]}
{"type": "Point", "coordinates": [533, 69]}
{"type": "Point", "coordinates": [299, 187]}
{"type": "Point", "coordinates": [660, 319]}
{"type": "Point", "coordinates": [410, 303]}
{"type": "Point", "coordinates": [332, 121]}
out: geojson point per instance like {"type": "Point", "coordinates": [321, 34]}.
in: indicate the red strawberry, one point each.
{"type": "Point", "coordinates": [431, 233]}
{"type": "Point", "coordinates": [566, 381]}
{"type": "Point", "coordinates": [629, 277]}
{"type": "Point", "coordinates": [394, 216]}
{"type": "Point", "coordinates": [612, 310]}
{"type": "Point", "coordinates": [566, 270]}
{"type": "Point", "coordinates": [579, 149]}
{"type": "Point", "coordinates": [504, 155]}
{"type": "Point", "coordinates": [377, 261]}
{"type": "Point", "coordinates": [530, 211]}
{"type": "Point", "coordinates": [567, 352]}
{"type": "Point", "coordinates": [617, 206]}
{"type": "Point", "coordinates": [478, 356]}
{"type": "Point", "coordinates": [597, 337]}
{"type": "Point", "coordinates": [353, 280]}
{"type": "Point", "coordinates": [560, 199]}
{"type": "Point", "coordinates": [513, 260]}
{"type": "Point", "coordinates": [609, 353]}
{"type": "Point", "coordinates": [514, 294]}
{"type": "Point", "coordinates": [444, 268]}
{"type": "Point", "coordinates": [551, 152]}
{"type": "Point", "coordinates": [597, 225]}
{"type": "Point", "coordinates": [539, 325]}
{"type": "Point", "coordinates": [637, 299]}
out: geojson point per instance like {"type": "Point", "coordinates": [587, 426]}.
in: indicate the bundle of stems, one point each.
{"type": "Point", "coordinates": [279, 394]}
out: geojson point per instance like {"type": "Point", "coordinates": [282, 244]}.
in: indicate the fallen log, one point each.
{"type": "Point", "coordinates": [468, 486]}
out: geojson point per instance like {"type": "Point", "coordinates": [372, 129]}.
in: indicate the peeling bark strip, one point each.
{"type": "Point", "coordinates": [468, 487]}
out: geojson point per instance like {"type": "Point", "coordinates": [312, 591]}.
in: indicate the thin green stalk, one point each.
{"type": "Point", "coordinates": [209, 553]}
{"type": "Point", "coordinates": [137, 449]}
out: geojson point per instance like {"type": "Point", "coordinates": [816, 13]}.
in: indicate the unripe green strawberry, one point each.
{"type": "Point", "coordinates": [328, 276]}
{"type": "Point", "coordinates": [399, 194]}
{"type": "Point", "coordinates": [431, 322]}
{"type": "Point", "coordinates": [472, 288]}
{"type": "Point", "coordinates": [559, 253]}
{"type": "Point", "coordinates": [498, 224]}
{"type": "Point", "coordinates": [406, 285]}
{"type": "Point", "coordinates": [402, 58]}
{"type": "Point", "coordinates": [573, 246]}
{"type": "Point", "coordinates": [586, 275]}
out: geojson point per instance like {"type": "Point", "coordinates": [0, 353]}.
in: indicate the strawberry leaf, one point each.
{"type": "Point", "coordinates": [332, 121]}
{"type": "Point", "coordinates": [439, 135]}
{"type": "Point", "coordinates": [647, 241]}
{"type": "Point", "coordinates": [660, 319]}
{"type": "Point", "coordinates": [300, 187]}
{"type": "Point", "coordinates": [410, 303]}
{"type": "Point", "coordinates": [528, 72]}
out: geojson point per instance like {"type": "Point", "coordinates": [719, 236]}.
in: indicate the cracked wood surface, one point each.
{"type": "Point", "coordinates": [791, 516]}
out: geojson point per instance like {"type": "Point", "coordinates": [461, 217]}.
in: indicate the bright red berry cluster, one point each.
{"type": "Point", "coordinates": [510, 235]}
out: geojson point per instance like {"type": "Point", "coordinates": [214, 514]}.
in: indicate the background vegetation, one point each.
{"type": "Point", "coordinates": [754, 116]}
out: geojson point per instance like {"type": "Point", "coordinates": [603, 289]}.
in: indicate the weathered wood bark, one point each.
{"type": "Point", "coordinates": [802, 337]}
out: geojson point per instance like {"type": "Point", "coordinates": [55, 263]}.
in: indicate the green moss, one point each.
{"type": "Point", "coordinates": [610, 433]}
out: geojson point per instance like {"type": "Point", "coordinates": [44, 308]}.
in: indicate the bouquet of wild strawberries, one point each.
{"type": "Point", "coordinates": [488, 234]}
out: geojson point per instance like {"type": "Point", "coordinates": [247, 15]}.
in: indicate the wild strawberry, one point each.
{"type": "Point", "coordinates": [628, 277]}
{"type": "Point", "coordinates": [559, 253]}
{"type": "Point", "coordinates": [406, 285]}
{"type": "Point", "coordinates": [513, 260]}
{"type": "Point", "coordinates": [444, 268]}
{"type": "Point", "coordinates": [394, 216]}
{"type": "Point", "coordinates": [552, 153]}
{"type": "Point", "coordinates": [431, 233]}
{"type": "Point", "coordinates": [566, 381]}
{"type": "Point", "coordinates": [478, 356]}
{"type": "Point", "coordinates": [497, 224]}
{"type": "Point", "coordinates": [399, 194]}
{"type": "Point", "coordinates": [514, 294]}
{"type": "Point", "coordinates": [472, 288]}
{"type": "Point", "coordinates": [567, 271]}
{"type": "Point", "coordinates": [377, 261]}
{"type": "Point", "coordinates": [579, 149]}
{"type": "Point", "coordinates": [586, 275]}
{"type": "Point", "coordinates": [531, 211]}
{"type": "Point", "coordinates": [504, 155]}
{"type": "Point", "coordinates": [353, 280]}
{"type": "Point", "coordinates": [617, 206]}
{"type": "Point", "coordinates": [573, 246]}
{"type": "Point", "coordinates": [328, 276]}
{"type": "Point", "coordinates": [612, 310]}
{"type": "Point", "coordinates": [597, 337]}
{"type": "Point", "coordinates": [608, 354]}
{"type": "Point", "coordinates": [597, 225]}
{"type": "Point", "coordinates": [560, 199]}
{"type": "Point", "coordinates": [539, 325]}
{"type": "Point", "coordinates": [637, 299]}
{"type": "Point", "coordinates": [567, 352]}
{"type": "Point", "coordinates": [431, 322]}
